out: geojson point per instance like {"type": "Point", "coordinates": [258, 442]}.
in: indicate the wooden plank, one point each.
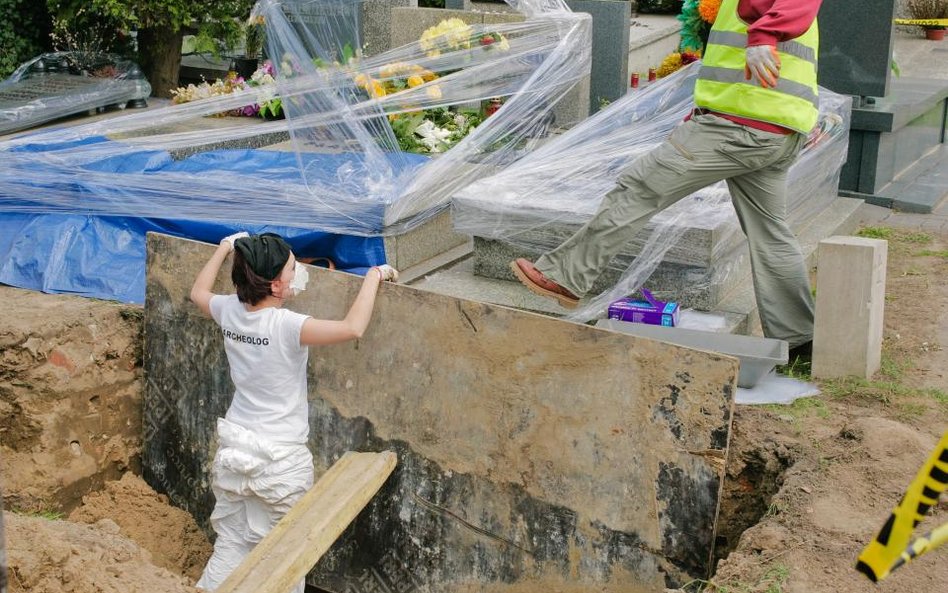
{"type": "Point", "coordinates": [301, 537]}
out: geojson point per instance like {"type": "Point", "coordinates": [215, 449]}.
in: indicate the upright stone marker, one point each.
{"type": "Point", "coordinates": [377, 23]}
{"type": "Point", "coordinates": [534, 454]}
{"type": "Point", "coordinates": [332, 24]}
{"type": "Point", "coordinates": [850, 302]}
{"type": "Point", "coordinates": [609, 77]}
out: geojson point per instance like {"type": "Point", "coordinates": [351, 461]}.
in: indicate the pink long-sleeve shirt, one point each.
{"type": "Point", "coordinates": [771, 21]}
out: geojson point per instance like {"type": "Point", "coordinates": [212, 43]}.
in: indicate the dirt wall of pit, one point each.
{"type": "Point", "coordinates": [70, 397]}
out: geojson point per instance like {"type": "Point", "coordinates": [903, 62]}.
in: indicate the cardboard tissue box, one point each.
{"type": "Point", "coordinates": [651, 310]}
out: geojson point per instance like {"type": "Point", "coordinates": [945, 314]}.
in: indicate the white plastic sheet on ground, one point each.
{"type": "Point", "coordinates": [373, 188]}
{"type": "Point", "coordinates": [775, 389]}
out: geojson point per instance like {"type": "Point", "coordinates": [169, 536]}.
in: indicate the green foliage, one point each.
{"type": "Point", "coordinates": [272, 109]}
{"type": "Point", "coordinates": [213, 19]}
{"type": "Point", "coordinates": [78, 28]}
{"type": "Point", "coordinates": [431, 3]}
{"type": "Point", "coordinates": [405, 126]}
{"type": "Point", "coordinates": [660, 6]}
{"type": "Point", "coordinates": [24, 33]}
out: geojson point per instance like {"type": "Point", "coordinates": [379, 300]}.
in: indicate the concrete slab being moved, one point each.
{"type": "Point", "coordinates": [534, 454]}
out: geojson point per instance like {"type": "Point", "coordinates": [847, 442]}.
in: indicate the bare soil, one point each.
{"type": "Point", "coordinates": [807, 485]}
{"type": "Point", "coordinates": [70, 444]}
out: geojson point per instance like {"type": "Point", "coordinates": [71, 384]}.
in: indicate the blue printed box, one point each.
{"type": "Point", "coordinates": [651, 310]}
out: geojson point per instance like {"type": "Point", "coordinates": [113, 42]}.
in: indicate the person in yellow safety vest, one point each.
{"type": "Point", "coordinates": [756, 99]}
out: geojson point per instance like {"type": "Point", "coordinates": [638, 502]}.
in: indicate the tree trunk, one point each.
{"type": "Point", "coordinates": [159, 51]}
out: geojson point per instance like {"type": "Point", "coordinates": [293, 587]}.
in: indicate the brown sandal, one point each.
{"type": "Point", "coordinates": [320, 262]}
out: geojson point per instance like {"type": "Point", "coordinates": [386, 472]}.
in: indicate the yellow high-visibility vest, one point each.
{"type": "Point", "coordinates": [721, 86]}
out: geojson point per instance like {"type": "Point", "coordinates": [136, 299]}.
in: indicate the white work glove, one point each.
{"type": "Point", "coordinates": [229, 239]}
{"type": "Point", "coordinates": [387, 273]}
{"type": "Point", "coordinates": [762, 63]}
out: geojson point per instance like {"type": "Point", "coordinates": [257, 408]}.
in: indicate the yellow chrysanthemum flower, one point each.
{"type": "Point", "coordinates": [452, 33]}
{"type": "Point", "coordinates": [433, 92]}
{"type": "Point", "coordinates": [415, 80]}
{"type": "Point", "coordinates": [671, 63]}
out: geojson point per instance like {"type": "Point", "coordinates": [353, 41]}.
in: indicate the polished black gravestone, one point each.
{"type": "Point", "coordinates": [897, 133]}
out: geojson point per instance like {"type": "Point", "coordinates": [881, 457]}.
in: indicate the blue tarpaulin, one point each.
{"type": "Point", "coordinates": [104, 256]}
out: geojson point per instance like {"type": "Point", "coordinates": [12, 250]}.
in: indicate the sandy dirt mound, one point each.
{"type": "Point", "coordinates": [59, 557]}
{"type": "Point", "coordinates": [70, 397]}
{"type": "Point", "coordinates": [144, 516]}
{"type": "Point", "coordinates": [824, 474]}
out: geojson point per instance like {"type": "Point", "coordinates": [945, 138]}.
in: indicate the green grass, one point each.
{"type": "Point", "coordinates": [917, 238]}
{"type": "Point", "coordinates": [875, 232]}
{"type": "Point", "coordinates": [803, 407]}
{"type": "Point", "coordinates": [772, 581]}
{"type": "Point", "coordinates": [797, 368]}
{"type": "Point", "coordinates": [930, 253]}
{"type": "Point", "coordinates": [43, 514]}
{"type": "Point", "coordinates": [885, 392]}
{"type": "Point", "coordinates": [898, 239]}
{"type": "Point", "coordinates": [890, 234]}
{"type": "Point", "coordinates": [892, 368]}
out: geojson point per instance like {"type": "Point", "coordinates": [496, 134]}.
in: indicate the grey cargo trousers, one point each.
{"type": "Point", "coordinates": [699, 152]}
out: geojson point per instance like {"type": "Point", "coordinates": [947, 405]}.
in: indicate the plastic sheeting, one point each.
{"type": "Point", "coordinates": [537, 202]}
{"type": "Point", "coordinates": [329, 112]}
{"type": "Point", "coordinates": [75, 202]}
{"type": "Point", "coordinates": [58, 84]}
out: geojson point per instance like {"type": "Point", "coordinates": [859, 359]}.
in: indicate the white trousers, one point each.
{"type": "Point", "coordinates": [255, 483]}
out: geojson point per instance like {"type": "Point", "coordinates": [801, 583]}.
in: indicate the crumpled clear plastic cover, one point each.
{"type": "Point", "coordinates": [58, 84]}
{"type": "Point", "coordinates": [352, 178]}
{"type": "Point", "coordinates": [775, 389]}
{"type": "Point", "coordinates": [535, 204]}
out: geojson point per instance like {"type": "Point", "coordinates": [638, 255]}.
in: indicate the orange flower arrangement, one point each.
{"type": "Point", "coordinates": [708, 9]}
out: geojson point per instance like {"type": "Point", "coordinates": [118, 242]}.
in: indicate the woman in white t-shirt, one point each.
{"type": "Point", "coordinates": [262, 466]}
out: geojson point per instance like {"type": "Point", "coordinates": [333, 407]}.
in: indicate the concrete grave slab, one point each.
{"type": "Point", "coordinates": [532, 452]}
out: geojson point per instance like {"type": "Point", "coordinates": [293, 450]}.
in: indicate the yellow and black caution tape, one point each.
{"type": "Point", "coordinates": [922, 22]}
{"type": "Point", "coordinates": [891, 548]}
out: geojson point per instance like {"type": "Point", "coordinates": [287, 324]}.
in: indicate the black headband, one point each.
{"type": "Point", "coordinates": [266, 254]}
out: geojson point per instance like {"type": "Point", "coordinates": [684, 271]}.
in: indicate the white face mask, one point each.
{"type": "Point", "coordinates": [300, 278]}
